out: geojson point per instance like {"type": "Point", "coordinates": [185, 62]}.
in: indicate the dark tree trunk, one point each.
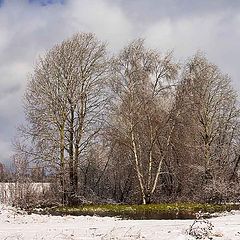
{"type": "Point", "coordinates": [71, 159]}
{"type": "Point", "coordinates": [147, 199]}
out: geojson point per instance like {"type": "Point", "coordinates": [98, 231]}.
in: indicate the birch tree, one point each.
{"type": "Point", "coordinates": [142, 85]}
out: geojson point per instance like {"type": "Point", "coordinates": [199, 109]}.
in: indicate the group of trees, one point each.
{"type": "Point", "coordinates": [136, 127]}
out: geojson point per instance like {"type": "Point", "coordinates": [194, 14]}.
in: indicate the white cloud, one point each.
{"type": "Point", "coordinates": [102, 18]}
{"type": "Point", "coordinates": [216, 34]}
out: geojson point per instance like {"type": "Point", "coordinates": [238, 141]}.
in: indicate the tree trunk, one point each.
{"type": "Point", "coordinates": [71, 159]}
{"type": "Point", "coordinates": [147, 198]}
{"type": "Point", "coordinates": [62, 167]}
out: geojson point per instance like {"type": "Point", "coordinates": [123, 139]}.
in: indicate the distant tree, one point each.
{"type": "Point", "coordinates": [1, 168]}
{"type": "Point", "coordinates": [37, 173]}
{"type": "Point", "coordinates": [1, 172]}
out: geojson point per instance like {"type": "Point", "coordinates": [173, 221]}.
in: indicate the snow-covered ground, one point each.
{"type": "Point", "coordinates": [17, 225]}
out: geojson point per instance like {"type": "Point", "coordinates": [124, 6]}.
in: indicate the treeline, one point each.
{"type": "Point", "coordinates": [137, 127]}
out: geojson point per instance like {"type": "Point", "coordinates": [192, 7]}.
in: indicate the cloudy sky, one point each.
{"type": "Point", "coordinates": [28, 28]}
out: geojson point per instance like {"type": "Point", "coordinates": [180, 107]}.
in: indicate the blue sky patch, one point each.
{"type": "Point", "coordinates": [41, 2]}
{"type": "Point", "coordinates": [46, 2]}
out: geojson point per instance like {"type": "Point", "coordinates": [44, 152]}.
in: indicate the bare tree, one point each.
{"type": "Point", "coordinates": [64, 105]}
{"type": "Point", "coordinates": [127, 128]}
{"type": "Point", "coordinates": [208, 124]}
{"type": "Point", "coordinates": [142, 87]}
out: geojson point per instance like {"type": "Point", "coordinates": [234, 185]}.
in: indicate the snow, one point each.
{"type": "Point", "coordinates": [18, 225]}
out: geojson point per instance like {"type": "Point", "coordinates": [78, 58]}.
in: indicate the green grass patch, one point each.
{"type": "Point", "coordinates": [151, 211]}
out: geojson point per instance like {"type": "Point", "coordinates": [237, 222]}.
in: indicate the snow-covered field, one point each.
{"type": "Point", "coordinates": [20, 226]}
